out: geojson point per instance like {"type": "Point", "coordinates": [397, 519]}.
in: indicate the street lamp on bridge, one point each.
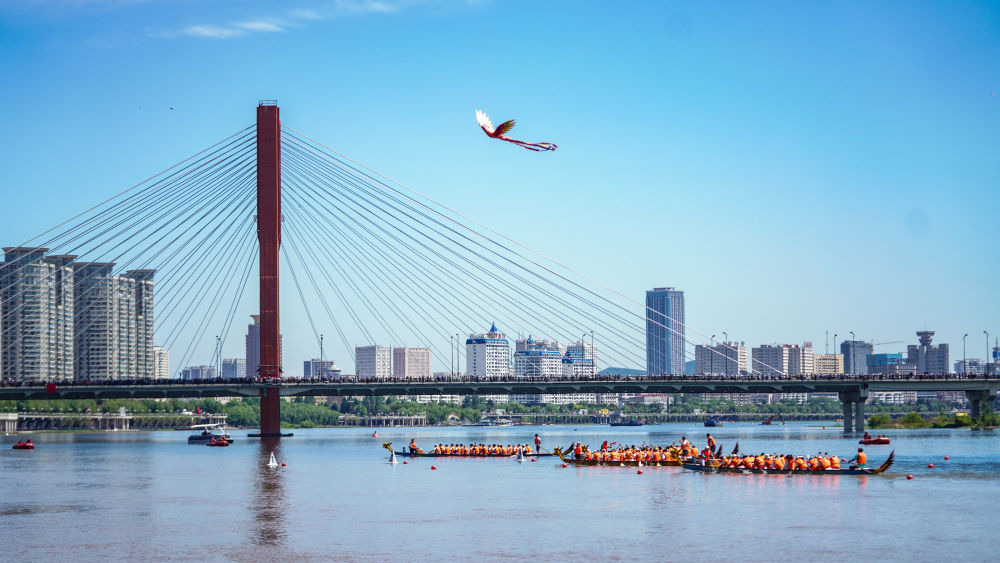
{"type": "Point", "coordinates": [965, 365]}
{"type": "Point", "coordinates": [986, 360]}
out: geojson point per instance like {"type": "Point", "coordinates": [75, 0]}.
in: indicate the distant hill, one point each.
{"type": "Point", "coordinates": [620, 371]}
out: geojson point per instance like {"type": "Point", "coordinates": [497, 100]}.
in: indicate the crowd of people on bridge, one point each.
{"type": "Point", "coordinates": [356, 380]}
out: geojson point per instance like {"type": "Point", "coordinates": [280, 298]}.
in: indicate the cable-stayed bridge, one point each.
{"type": "Point", "coordinates": [367, 256]}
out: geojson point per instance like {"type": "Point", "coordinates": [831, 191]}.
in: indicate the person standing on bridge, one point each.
{"type": "Point", "coordinates": [538, 444]}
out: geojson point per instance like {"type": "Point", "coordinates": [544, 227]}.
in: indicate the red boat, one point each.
{"type": "Point", "coordinates": [24, 445]}
{"type": "Point", "coordinates": [218, 442]}
{"type": "Point", "coordinates": [877, 440]}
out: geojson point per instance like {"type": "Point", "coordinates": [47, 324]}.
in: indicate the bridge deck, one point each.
{"type": "Point", "coordinates": [470, 387]}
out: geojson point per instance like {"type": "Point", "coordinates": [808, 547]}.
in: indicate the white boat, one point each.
{"type": "Point", "coordinates": [273, 462]}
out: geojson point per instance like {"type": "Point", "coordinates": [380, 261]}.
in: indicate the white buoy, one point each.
{"type": "Point", "coordinates": [273, 462]}
{"type": "Point", "coordinates": [640, 463]}
{"type": "Point", "coordinates": [520, 457]}
{"type": "Point", "coordinates": [392, 458]}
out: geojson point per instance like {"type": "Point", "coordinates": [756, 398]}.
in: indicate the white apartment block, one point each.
{"type": "Point", "coordinates": [725, 358]}
{"type": "Point", "coordinates": [411, 363]}
{"type": "Point", "coordinates": [373, 361]}
{"type": "Point", "coordinates": [487, 354]}
{"type": "Point", "coordinates": [320, 368]}
{"type": "Point", "coordinates": [800, 359]}
{"type": "Point", "coordinates": [894, 397]}
{"type": "Point", "coordinates": [161, 363]}
{"type": "Point", "coordinates": [770, 359]}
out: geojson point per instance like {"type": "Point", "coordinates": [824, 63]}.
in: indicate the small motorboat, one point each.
{"type": "Point", "coordinates": [24, 445]}
{"type": "Point", "coordinates": [711, 423]}
{"type": "Point", "coordinates": [208, 431]}
{"type": "Point", "coordinates": [217, 442]}
{"type": "Point", "coordinates": [879, 440]}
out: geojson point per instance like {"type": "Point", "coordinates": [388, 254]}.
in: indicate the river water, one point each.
{"type": "Point", "coordinates": [151, 496]}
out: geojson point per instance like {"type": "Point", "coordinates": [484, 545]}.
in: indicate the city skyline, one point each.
{"type": "Point", "coordinates": [855, 156]}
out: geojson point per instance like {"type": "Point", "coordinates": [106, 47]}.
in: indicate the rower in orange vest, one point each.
{"type": "Point", "coordinates": [834, 462]}
{"type": "Point", "coordinates": [861, 457]}
{"type": "Point", "coordinates": [711, 441]}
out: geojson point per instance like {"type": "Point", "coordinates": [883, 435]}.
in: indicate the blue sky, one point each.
{"type": "Point", "coordinates": [794, 167]}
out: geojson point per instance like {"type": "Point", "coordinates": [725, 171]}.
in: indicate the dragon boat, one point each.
{"type": "Point", "coordinates": [672, 459]}
{"type": "Point", "coordinates": [714, 468]}
{"type": "Point", "coordinates": [388, 446]}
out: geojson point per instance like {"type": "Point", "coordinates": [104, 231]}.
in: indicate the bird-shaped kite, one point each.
{"type": "Point", "coordinates": [498, 133]}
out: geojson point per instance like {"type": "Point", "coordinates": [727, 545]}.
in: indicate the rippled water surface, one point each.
{"type": "Point", "coordinates": [151, 495]}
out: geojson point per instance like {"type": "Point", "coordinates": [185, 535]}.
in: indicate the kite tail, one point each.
{"type": "Point", "coordinates": [537, 147]}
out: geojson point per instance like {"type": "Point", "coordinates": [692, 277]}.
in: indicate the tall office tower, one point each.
{"type": "Point", "coordinates": [143, 298]}
{"type": "Point", "coordinates": [161, 362]}
{"type": "Point", "coordinates": [487, 354]}
{"type": "Point", "coordinates": [320, 368]}
{"type": "Point", "coordinates": [33, 325]}
{"type": "Point", "coordinates": [928, 358]}
{"type": "Point", "coordinates": [828, 364]}
{"type": "Point", "coordinates": [253, 348]}
{"type": "Point", "coordinates": [801, 359]}
{"type": "Point", "coordinates": [234, 368]}
{"type": "Point", "coordinates": [771, 359]}
{"type": "Point", "coordinates": [856, 356]}
{"type": "Point", "coordinates": [664, 331]}
{"type": "Point", "coordinates": [411, 363]}
{"type": "Point", "coordinates": [727, 358]}
{"type": "Point", "coordinates": [373, 361]}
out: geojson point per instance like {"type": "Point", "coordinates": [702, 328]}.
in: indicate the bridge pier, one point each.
{"type": "Point", "coordinates": [853, 401]}
{"type": "Point", "coordinates": [978, 400]}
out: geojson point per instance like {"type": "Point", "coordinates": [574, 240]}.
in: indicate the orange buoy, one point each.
{"type": "Point", "coordinates": [434, 467]}
{"type": "Point", "coordinates": [930, 466]}
{"type": "Point", "coordinates": [564, 465]}
{"type": "Point", "coordinates": [909, 477]}
{"type": "Point", "coordinates": [532, 459]}
{"type": "Point", "coordinates": [639, 472]}
{"type": "Point", "coordinates": [946, 458]}
{"type": "Point", "coordinates": [405, 462]}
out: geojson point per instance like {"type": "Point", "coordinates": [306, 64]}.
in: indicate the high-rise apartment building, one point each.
{"type": "Point", "coordinates": [143, 314]}
{"type": "Point", "coordinates": [234, 368]}
{"type": "Point", "coordinates": [411, 363]}
{"type": "Point", "coordinates": [771, 359]}
{"type": "Point", "coordinates": [161, 362]}
{"type": "Point", "coordinates": [109, 312]}
{"type": "Point", "coordinates": [487, 354]}
{"type": "Point", "coordinates": [664, 331]}
{"type": "Point", "coordinates": [927, 357]}
{"type": "Point", "coordinates": [800, 359]}
{"type": "Point", "coordinates": [855, 354]}
{"type": "Point", "coordinates": [36, 317]}
{"type": "Point", "coordinates": [373, 361]}
{"type": "Point", "coordinates": [538, 359]}
{"type": "Point", "coordinates": [726, 358]}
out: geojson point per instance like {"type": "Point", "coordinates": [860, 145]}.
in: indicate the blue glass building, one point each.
{"type": "Point", "coordinates": [664, 331]}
